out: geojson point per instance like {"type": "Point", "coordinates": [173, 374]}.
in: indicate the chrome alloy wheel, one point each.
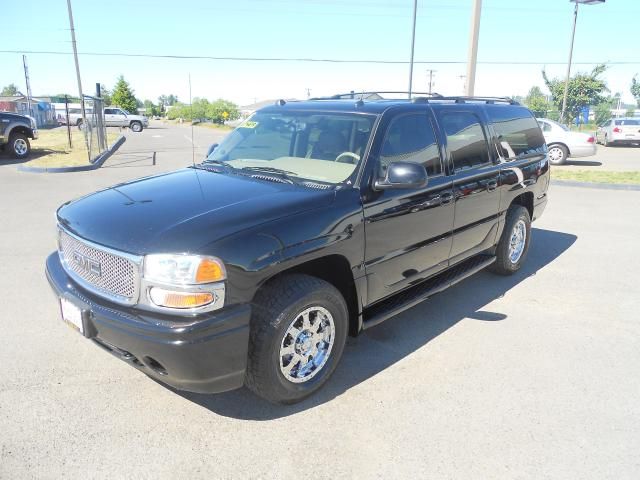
{"type": "Point", "coordinates": [556, 154]}
{"type": "Point", "coordinates": [20, 146]}
{"type": "Point", "coordinates": [307, 344]}
{"type": "Point", "coordinates": [517, 241]}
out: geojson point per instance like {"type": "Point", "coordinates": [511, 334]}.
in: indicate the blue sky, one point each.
{"type": "Point", "coordinates": [511, 31]}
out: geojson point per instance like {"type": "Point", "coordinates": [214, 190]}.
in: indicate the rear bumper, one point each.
{"type": "Point", "coordinates": [204, 354]}
{"type": "Point", "coordinates": [586, 150]}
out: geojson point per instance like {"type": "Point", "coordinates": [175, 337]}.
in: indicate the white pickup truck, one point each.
{"type": "Point", "coordinates": [113, 117]}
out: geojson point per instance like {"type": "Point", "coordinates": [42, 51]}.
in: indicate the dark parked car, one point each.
{"type": "Point", "coordinates": [15, 132]}
{"type": "Point", "coordinates": [311, 221]}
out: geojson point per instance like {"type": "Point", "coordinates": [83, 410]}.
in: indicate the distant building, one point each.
{"type": "Point", "coordinates": [42, 111]}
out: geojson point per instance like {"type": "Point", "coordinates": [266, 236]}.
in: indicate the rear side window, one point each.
{"type": "Point", "coordinates": [518, 132]}
{"type": "Point", "coordinates": [410, 138]}
{"type": "Point", "coordinates": [466, 141]}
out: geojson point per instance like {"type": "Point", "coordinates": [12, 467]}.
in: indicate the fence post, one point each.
{"type": "Point", "coordinates": [98, 111]}
{"type": "Point", "coordinates": [66, 111]}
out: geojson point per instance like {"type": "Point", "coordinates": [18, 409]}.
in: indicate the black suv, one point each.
{"type": "Point", "coordinates": [311, 221]}
{"type": "Point", "coordinates": [15, 132]}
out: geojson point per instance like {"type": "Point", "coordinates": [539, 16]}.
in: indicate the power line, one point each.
{"type": "Point", "coordinates": [312, 60]}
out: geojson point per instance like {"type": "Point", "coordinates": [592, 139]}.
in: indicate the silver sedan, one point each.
{"type": "Point", "coordinates": [563, 143]}
{"type": "Point", "coordinates": [618, 131]}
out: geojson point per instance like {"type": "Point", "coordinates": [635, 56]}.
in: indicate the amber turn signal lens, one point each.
{"type": "Point", "coordinates": [209, 271]}
{"type": "Point", "coordinates": [167, 298]}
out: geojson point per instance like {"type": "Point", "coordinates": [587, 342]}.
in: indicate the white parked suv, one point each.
{"type": "Point", "coordinates": [117, 117]}
{"type": "Point", "coordinates": [113, 117]}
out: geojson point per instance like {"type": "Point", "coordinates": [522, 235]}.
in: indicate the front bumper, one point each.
{"type": "Point", "coordinates": [204, 354]}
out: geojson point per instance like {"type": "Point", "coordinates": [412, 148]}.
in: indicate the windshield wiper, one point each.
{"type": "Point", "coordinates": [210, 165]}
{"type": "Point", "coordinates": [284, 174]}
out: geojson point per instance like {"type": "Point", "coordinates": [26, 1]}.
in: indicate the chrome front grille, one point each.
{"type": "Point", "coordinates": [115, 275]}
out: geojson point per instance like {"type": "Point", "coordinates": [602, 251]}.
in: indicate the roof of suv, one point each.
{"type": "Point", "coordinates": [347, 103]}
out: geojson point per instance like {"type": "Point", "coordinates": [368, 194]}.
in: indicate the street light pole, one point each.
{"type": "Point", "coordinates": [413, 42]}
{"type": "Point", "coordinates": [573, 36]}
{"type": "Point", "coordinates": [473, 47]}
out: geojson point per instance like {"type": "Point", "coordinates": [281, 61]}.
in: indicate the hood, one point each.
{"type": "Point", "coordinates": [16, 116]}
{"type": "Point", "coordinates": [183, 211]}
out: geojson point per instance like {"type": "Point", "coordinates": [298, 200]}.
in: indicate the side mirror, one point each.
{"type": "Point", "coordinates": [211, 149]}
{"type": "Point", "coordinates": [403, 175]}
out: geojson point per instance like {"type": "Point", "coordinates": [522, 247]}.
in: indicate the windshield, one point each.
{"type": "Point", "coordinates": [317, 146]}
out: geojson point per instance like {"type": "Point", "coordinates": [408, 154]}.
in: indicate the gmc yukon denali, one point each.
{"type": "Point", "coordinates": [311, 221]}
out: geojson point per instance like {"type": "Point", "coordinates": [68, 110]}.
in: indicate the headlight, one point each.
{"type": "Point", "coordinates": [183, 269]}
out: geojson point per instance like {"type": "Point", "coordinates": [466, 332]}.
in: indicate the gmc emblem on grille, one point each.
{"type": "Point", "coordinates": [86, 264]}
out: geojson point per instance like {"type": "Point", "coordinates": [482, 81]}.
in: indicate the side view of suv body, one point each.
{"type": "Point", "coordinates": [15, 132]}
{"type": "Point", "coordinates": [113, 117]}
{"type": "Point", "coordinates": [311, 221]}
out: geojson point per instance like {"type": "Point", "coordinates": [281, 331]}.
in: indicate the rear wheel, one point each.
{"type": "Point", "coordinates": [298, 332]}
{"type": "Point", "coordinates": [19, 145]}
{"type": "Point", "coordinates": [606, 141]}
{"type": "Point", "coordinates": [136, 127]}
{"type": "Point", "coordinates": [558, 154]}
{"type": "Point", "coordinates": [513, 246]}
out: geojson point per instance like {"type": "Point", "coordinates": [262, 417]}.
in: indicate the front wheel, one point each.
{"type": "Point", "coordinates": [19, 144]}
{"type": "Point", "coordinates": [136, 127]}
{"type": "Point", "coordinates": [298, 332]}
{"type": "Point", "coordinates": [514, 243]}
{"type": "Point", "coordinates": [558, 154]}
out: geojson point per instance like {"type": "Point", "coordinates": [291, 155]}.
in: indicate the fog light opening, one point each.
{"type": "Point", "coordinates": [155, 365]}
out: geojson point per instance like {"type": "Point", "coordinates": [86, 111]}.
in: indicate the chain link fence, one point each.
{"type": "Point", "coordinates": [95, 130]}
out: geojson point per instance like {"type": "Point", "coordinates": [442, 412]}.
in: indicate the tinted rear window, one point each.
{"type": "Point", "coordinates": [518, 132]}
{"type": "Point", "coordinates": [627, 122]}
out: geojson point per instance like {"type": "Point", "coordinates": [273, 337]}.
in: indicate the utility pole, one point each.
{"type": "Point", "coordinates": [308, 92]}
{"type": "Point", "coordinates": [413, 42]}
{"type": "Point", "coordinates": [431, 72]}
{"type": "Point", "coordinates": [566, 82]}
{"type": "Point", "coordinates": [26, 79]}
{"type": "Point", "coordinates": [75, 57]}
{"type": "Point", "coordinates": [473, 47]}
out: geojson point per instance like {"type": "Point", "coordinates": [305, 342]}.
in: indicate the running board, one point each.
{"type": "Point", "coordinates": [412, 296]}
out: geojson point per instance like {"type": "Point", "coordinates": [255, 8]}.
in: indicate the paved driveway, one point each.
{"type": "Point", "coordinates": [530, 376]}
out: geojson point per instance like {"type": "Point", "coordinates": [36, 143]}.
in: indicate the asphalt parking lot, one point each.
{"type": "Point", "coordinates": [530, 376]}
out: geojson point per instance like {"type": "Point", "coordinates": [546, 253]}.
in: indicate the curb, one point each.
{"type": "Point", "coordinates": [97, 163]}
{"type": "Point", "coordinates": [603, 186]}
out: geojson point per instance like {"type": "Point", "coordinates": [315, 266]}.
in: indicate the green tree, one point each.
{"type": "Point", "coordinates": [584, 89]}
{"type": "Point", "coordinates": [635, 89]}
{"type": "Point", "coordinates": [631, 112]}
{"type": "Point", "coordinates": [537, 102]}
{"type": "Point", "coordinates": [602, 112]}
{"type": "Point", "coordinates": [10, 90]}
{"type": "Point", "coordinates": [123, 96]}
{"type": "Point", "coordinates": [150, 108]}
{"type": "Point", "coordinates": [105, 94]}
{"type": "Point", "coordinates": [222, 110]}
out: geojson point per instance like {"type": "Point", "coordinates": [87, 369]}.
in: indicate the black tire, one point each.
{"type": "Point", "coordinates": [136, 127]}
{"type": "Point", "coordinates": [606, 142]}
{"type": "Point", "coordinates": [80, 124]}
{"type": "Point", "coordinates": [19, 145]}
{"type": "Point", "coordinates": [505, 264]}
{"type": "Point", "coordinates": [276, 307]}
{"type": "Point", "coordinates": [558, 154]}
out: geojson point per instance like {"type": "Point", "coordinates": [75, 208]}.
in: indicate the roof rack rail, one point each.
{"type": "Point", "coordinates": [417, 97]}
{"type": "Point", "coordinates": [359, 95]}
{"type": "Point", "coordinates": [488, 100]}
